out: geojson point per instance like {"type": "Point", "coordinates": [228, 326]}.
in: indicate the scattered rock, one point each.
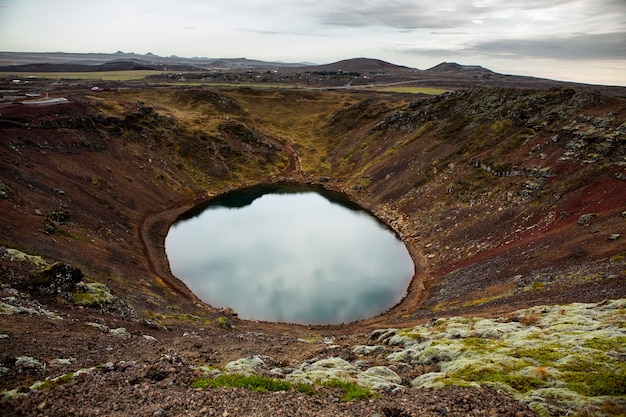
{"type": "Point", "coordinates": [62, 362]}
{"type": "Point", "coordinates": [367, 350]}
{"type": "Point", "coordinates": [4, 190]}
{"type": "Point", "coordinates": [120, 331]}
{"type": "Point", "coordinates": [585, 219]}
{"type": "Point", "coordinates": [27, 362]}
{"type": "Point", "coordinates": [228, 311]}
{"type": "Point", "coordinates": [151, 324]}
{"type": "Point", "coordinates": [615, 236]}
{"type": "Point", "coordinates": [98, 326]}
{"type": "Point", "coordinates": [12, 305]}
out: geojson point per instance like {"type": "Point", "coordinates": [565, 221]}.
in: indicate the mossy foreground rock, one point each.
{"type": "Point", "coordinates": [559, 360]}
{"type": "Point", "coordinates": [54, 279]}
{"type": "Point", "coordinates": [93, 294]}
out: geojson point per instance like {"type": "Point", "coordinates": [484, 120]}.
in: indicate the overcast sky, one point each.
{"type": "Point", "coordinates": [577, 40]}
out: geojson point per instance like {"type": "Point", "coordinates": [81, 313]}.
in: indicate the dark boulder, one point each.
{"type": "Point", "coordinates": [54, 279]}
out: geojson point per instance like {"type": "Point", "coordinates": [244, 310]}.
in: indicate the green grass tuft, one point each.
{"type": "Point", "coordinates": [351, 391]}
{"type": "Point", "coordinates": [252, 383]}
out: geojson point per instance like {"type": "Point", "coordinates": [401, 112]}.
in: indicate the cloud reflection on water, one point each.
{"type": "Point", "coordinates": [291, 258]}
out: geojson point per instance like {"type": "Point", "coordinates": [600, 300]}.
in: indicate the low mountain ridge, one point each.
{"type": "Point", "coordinates": [48, 67]}
{"type": "Point", "coordinates": [8, 59]}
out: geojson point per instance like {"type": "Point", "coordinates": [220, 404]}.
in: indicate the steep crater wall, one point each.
{"type": "Point", "coordinates": [121, 168]}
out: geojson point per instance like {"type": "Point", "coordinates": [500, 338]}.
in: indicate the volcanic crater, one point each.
{"type": "Point", "coordinates": [506, 198]}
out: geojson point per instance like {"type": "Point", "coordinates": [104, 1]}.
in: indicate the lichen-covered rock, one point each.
{"type": "Point", "coordinates": [120, 332]}
{"type": "Point", "coordinates": [62, 361]}
{"type": "Point", "coordinates": [367, 350]}
{"type": "Point", "coordinates": [24, 257]}
{"type": "Point", "coordinates": [92, 294]}
{"type": "Point", "coordinates": [11, 305]}
{"type": "Point", "coordinates": [490, 329]}
{"type": "Point", "coordinates": [98, 326]}
{"type": "Point", "coordinates": [558, 359]}
{"type": "Point", "coordinates": [324, 370]}
{"type": "Point", "coordinates": [27, 362]}
{"type": "Point", "coordinates": [245, 366]}
{"type": "Point", "coordinates": [556, 401]}
{"type": "Point", "coordinates": [379, 377]}
{"type": "Point", "coordinates": [429, 380]}
{"type": "Point", "coordinates": [381, 336]}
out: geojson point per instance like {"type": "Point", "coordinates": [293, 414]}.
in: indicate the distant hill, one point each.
{"type": "Point", "coordinates": [359, 65]}
{"type": "Point", "coordinates": [453, 67]}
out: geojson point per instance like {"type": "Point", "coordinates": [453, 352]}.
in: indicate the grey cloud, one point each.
{"type": "Point", "coordinates": [286, 33]}
{"type": "Point", "coordinates": [576, 47]}
{"type": "Point", "coordinates": [398, 14]}
{"type": "Point", "coordinates": [435, 53]}
{"type": "Point", "coordinates": [597, 46]}
{"type": "Point", "coordinates": [410, 14]}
